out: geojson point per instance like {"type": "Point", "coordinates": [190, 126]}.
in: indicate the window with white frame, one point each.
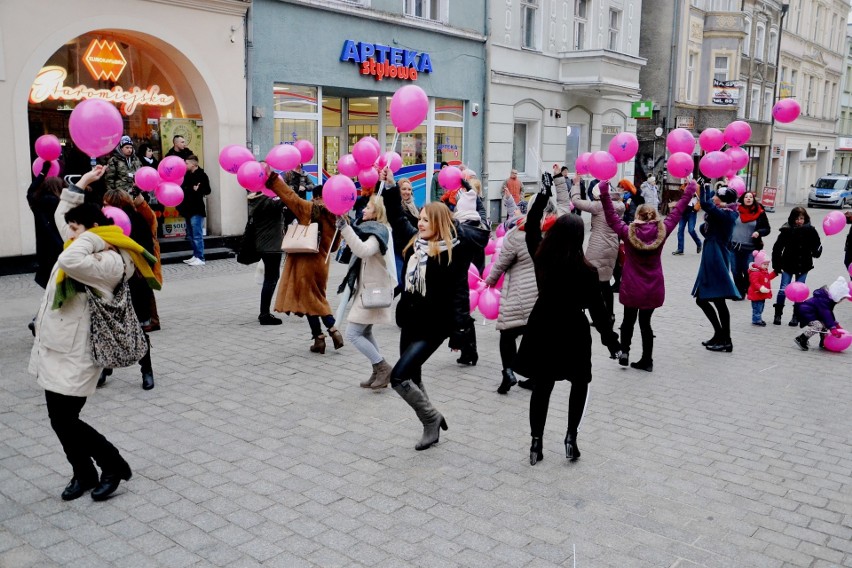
{"type": "Point", "coordinates": [529, 23]}
{"type": "Point", "coordinates": [754, 108]}
{"type": "Point", "coordinates": [759, 40]}
{"type": "Point", "coordinates": [724, 5]}
{"type": "Point", "coordinates": [767, 104]}
{"type": "Point", "coordinates": [826, 91]}
{"type": "Point", "coordinates": [816, 23]}
{"type": "Point", "coordinates": [721, 67]}
{"type": "Point", "coordinates": [741, 106]}
{"type": "Point", "coordinates": [794, 77]}
{"type": "Point", "coordinates": [427, 9]}
{"type": "Point", "coordinates": [747, 40]}
{"type": "Point", "coordinates": [809, 95]}
{"type": "Point", "coordinates": [580, 20]}
{"type": "Point", "coordinates": [831, 32]}
{"type": "Point", "coordinates": [519, 147]}
{"type": "Point", "coordinates": [614, 29]}
{"type": "Point", "coordinates": [698, 4]}
{"type": "Point", "coordinates": [690, 76]}
{"type": "Point", "coordinates": [772, 54]}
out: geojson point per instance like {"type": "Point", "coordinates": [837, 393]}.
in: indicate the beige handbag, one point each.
{"type": "Point", "coordinates": [301, 239]}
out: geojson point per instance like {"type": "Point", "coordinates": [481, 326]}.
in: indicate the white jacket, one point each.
{"type": "Point", "coordinates": [376, 269]}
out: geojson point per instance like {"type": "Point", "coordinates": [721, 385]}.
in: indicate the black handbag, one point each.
{"type": "Point", "coordinates": [248, 250]}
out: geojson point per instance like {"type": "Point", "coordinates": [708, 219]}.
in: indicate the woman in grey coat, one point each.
{"type": "Point", "coordinates": [602, 250]}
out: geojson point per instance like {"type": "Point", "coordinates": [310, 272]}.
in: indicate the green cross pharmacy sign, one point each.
{"type": "Point", "coordinates": [642, 109]}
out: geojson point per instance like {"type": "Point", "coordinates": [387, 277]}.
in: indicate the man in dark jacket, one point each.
{"type": "Point", "coordinates": [195, 186]}
{"type": "Point", "coordinates": [179, 148]}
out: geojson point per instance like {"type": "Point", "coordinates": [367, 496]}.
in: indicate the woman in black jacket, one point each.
{"type": "Point", "coordinates": [435, 302]}
{"type": "Point", "coordinates": [792, 255]}
{"type": "Point", "coordinates": [43, 197]}
{"type": "Point", "coordinates": [567, 285]}
{"type": "Point", "coordinates": [267, 215]}
{"type": "Point", "coordinates": [750, 227]}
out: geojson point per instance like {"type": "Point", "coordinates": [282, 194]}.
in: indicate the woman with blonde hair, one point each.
{"type": "Point", "coordinates": [371, 275]}
{"type": "Point", "coordinates": [435, 302]}
{"type": "Point", "coordinates": [643, 287]}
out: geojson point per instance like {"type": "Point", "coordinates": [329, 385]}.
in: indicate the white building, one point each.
{"type": "Point", "coordinates": [563, 76]}
{"type": "Point", "coordinates": [843, 149]}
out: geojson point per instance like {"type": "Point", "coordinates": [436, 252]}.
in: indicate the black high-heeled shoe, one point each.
{"type": "Point", "coordinates": [572, 451]}
{"type": "Point", "coordinates": [536, 451]}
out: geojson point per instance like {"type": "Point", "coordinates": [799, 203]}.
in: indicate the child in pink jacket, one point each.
{"type": "Point", "coordinates": [760, 286]}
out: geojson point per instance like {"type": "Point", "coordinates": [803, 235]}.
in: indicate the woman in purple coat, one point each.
{"type": "Point", "coordinates": [643, 287]}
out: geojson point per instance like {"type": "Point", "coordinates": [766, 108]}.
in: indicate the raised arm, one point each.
{"type": "Point", "coordinates": [562, 187]}
{"type": "Point", "coordinates": [532, 226]}
{"type": "Point", "coordinates": [615, 222]}
{"type": "Point", "coordinates": [301, 208]}
{"type": "Point", "coordinates": [673, 218]}
{"type": "Point", "coordinates": [87, 262]}
{"type": "Point", "coordinates": [401, 227]}
{"type": "Point", "coordinates": [583, 204]}
{"type": "Point", "coordinates": [39, 179]}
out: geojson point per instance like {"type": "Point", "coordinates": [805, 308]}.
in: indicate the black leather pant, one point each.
{"type": "Point", "coordinates": [413, 353]}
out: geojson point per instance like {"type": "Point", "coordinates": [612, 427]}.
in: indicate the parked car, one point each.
{"type": "Point", "coordinates": [832, 190]}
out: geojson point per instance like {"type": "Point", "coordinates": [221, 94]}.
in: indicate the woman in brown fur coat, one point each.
{"type": "Point", "coordinates": [301, 290]}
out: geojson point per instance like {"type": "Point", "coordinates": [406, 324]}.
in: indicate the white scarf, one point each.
{"type": "Point", "coordinates": [415, 272]}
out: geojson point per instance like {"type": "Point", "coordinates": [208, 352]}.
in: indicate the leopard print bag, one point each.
{"type": "Point", "coordinates": [116, 337]}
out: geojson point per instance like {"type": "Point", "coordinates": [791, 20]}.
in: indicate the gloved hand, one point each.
{"type": "Point", "coordinates": [547, 180]}
{"type": "Point", "coordinates": [45, 167]}
{"type": "Point", "coordinates": [836, 331]}
{"type": "Point", "coordinates": [342, 221]}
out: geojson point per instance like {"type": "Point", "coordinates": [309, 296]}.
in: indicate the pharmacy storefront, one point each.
{"type": "Point", "coordinates": [136, 55]}
{"type": "Point", "coordinates": [336, 86]}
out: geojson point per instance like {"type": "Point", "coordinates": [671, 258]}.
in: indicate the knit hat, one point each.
{"type": "Point", "coordinates": [839, 290]}
{"type": "Point", "coordinates": [726, 194]}
{"type": "Point", "coordinates": [125, 141]}
{"type": "Point", "coordinates": [759, 257]}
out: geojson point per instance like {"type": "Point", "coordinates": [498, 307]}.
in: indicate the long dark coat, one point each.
{"type": "Point", "coordinates": [714, 280]}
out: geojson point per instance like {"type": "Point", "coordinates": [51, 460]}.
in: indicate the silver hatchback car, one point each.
{"type": "Point", "coordinates": [832, 190]}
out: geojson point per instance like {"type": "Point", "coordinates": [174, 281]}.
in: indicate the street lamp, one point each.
{"type": "Point", "coordinates": [784, 9]}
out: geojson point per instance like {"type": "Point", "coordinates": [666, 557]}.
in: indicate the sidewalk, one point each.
{"type": "Point", "coordinates": [251, 451]}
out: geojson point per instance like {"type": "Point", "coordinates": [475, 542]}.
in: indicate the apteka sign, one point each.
{"type": "Point", "coordinates": [384, 61]}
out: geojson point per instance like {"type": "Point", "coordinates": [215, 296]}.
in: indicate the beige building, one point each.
{"type": "Point", "coordinates": [170, 66]}
{"type": "Point", "coordinates": [813, 44]}
{"type": "Point", "coordinates": [843, 148]}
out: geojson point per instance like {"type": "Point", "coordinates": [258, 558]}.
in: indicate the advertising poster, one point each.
{"type": "Point", "coordinates": [192, 131]}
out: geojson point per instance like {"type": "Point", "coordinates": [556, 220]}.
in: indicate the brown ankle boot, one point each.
{"type": "Point", "coordinates": [319, 345]}
{"type": "Point", "coordinates": [369, 382]}
{"type": "Point", "coordinates": [336, 337]}
{"type": "Point", "coordinates": [383, 375]}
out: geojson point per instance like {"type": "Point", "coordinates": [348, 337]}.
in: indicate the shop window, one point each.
{"type": "Point", "coordinates": [529, 23]}
{"type": "Point", "coordinates": [288, 130]}
{"type": "Point", "coordinates": [295, 98]}
{"type": "Point", "coordinates": [519, 147]}
{"type": "Point", "coordinates": [364, 109]}
{"type": "Point", "coordinates": [331, 112]}
{"type": "Point", "coordinates": [449, 110]}
{"type": "Point", "coordinates": [412, 146]}
{"type": "Point", "coordinates": [448, 143]}
{"type": "Point", "coordinates": [358, 131]}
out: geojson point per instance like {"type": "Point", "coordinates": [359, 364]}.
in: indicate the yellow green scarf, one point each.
{"type": "Point", "coordinates": [67, 288]}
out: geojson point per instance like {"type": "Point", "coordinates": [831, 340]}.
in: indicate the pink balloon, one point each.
{"type": "Point", "coordinates": [393, 161]}
{"type": "Point", "coordinates": [491, 247]}
{"type": "Point", "coordinates": [499, 243]}
{"type": "Point", "coordinates": [473, 278]}
{"type": "Point", "coordinates": [38, 164]}
{"type": "Point", "coordinates": [381, 161]}
{"type": "Point", "coordinates": [833, 223]}
{"type": "Point", "coordinates": [739, 158]}
{"type": "Point", "coordinates": [96, 127]}
{"type": "Point", "coordinates": [737, 184]}
{"type": "Point", "coordinates": [623, 147]}
{"type": "Point", "coordinates": [252, 176]}
{"type": "Point", "coordinates": [450, 178]}
{"type": "Point", "coordinates": [339, 194]}
{"type": "Point", "coordinates": [797, 291]}
{"type": "Point", "coordinates": [737, 133]}
{"type": "Point", "coordinates": [602, 165]}
{"type": "Point", "coordinates": [680, 164]}
{"type": "Point", "coordinates": [284, 157]}
{"type": "Point", "coordinates": [582, 163]}
{"type": "Point", "coordinates": [409, 107]}
{"type": "Point", "coordinates": [838, 344]}
{"type": "Point", "coordinates": [118, 217]}
{"type": "Point", "coordinates": [786, 110]}
{"type": "Point", "coordinates": [347, 166]}
{"type": "Point", "coordinates": [169, 194]}
{"type": "Point", "coordinates": [172, 168]}
{"type": "Point", "coordinates": [374, 143]}
{"type": "Point", "coordinates": [489, 303]}
{"type": "Point", "coordinates": [233, 156]}
{"type": "Point", "coordinates": [711, 140]}
{"type": "Point", "coordinates": [368, 177]}
{"type": "Point", "coordinates": [680, 140]}
{"type": "Point", "coordinates": [268, 192]}
{"type": "Point", "coordinates": [147, 178]}
{"type": "Point", "coordinates": [501, 230]}
{"type": "Point", "coordinates": [731, 173]}
{"type": "Point", "coordinates": [48, 148]}
{"type": "Point", "coordinates": [306, 150]}
{"type": "Point", "coordinates": [474, 298]}
{"type": "Point", "coordinates": [364, 153]}
{"type": "Point", "coordinates": [714, 164]}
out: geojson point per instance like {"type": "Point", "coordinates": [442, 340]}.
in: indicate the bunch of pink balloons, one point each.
{"type": "Point", "coordinates": [489, 303]}
{"type": "Point", "coordinates": [366, 160]}
{"type": "Point", "coordinates": [96, 127]}
{"type": "Point", "coordinates": [487, 270]}
{"type": "Point", "coordinates": [797, 291]}
{"type": "Point", "coordinates": [48, 149]}
{"type": "Point", "coordinates": [486, 298]}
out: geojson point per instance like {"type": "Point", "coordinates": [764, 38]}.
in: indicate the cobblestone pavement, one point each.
{"type": "Point", "coordinates": [252, 451]}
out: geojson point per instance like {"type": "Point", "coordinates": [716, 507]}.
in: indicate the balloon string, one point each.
{"type": "Point", "coordinates": [393, 149]}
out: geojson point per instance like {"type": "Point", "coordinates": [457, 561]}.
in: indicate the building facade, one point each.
{"type": "Point", "coordinates": [843, 148]}
{"type": "Point", "coordinates": [563, 75]}
{"type": "Point", "coordinates": [325, 71]}
{"type": "Point", "coordinates": [171, 68]}
{"type": "Point", "coordinates": [813, 47]}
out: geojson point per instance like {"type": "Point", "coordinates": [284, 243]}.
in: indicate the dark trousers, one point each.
{"type": "Point", "coordinates": [630, 315]}
{"type": "Point", "coordinates": [413, 353]}
{"type": "Point", "coordinates": [608, 297]}
{"type": "Point", "coordinates": [271, 273]}
{"type": "Point", "coordinates": [540, 401]}
{"type": "Point", "coordinates": [509, 345]}
{"type": "Point", "coordinates": [722, 322]}
{"type": "Point", "coordinates": [740, 261]}
{"type": "Point", "coordinates": [314, 322]}
{"type": "Point", "coordinates": [80, 441]}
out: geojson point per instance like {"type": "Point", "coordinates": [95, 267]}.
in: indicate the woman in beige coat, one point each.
{"type": "Point", "coordinates": [372, 271]}
{"type": "Point", "coordinates": [61, 357]}
{"type": "Point", "coordinates": [602, 250]}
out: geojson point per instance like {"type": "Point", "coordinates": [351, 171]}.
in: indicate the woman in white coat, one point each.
{"type": "Point", "coordinates": [372, 278]}
{"type": "Point", "coordinates": [61, 357]}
